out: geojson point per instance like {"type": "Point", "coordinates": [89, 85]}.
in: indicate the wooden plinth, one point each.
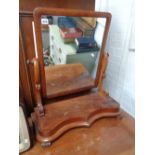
{"type": "Point", "coordinates": [108, 136]}
{"type": "Point", "coordinates": [75, 112]}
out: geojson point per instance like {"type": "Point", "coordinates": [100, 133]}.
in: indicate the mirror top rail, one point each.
{"type": "Point", "coordinates": [39, 11]}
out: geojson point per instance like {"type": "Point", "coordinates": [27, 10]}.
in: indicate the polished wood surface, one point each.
{"type": "Point", "coordinates": [29, 5]}
{"type": "Point", "coordinates": [26, 8]}
{"type": "Point", "coordinates": [79, 111]}
{"type": "Point", "coordinates": [55, 118]}
{"type": "Point", "coordinates": [28, 52]}
{"type": "Point", "coordinates": [67, 79]}
{"type": "Point", "coordinates": [38, 12]}
{"type": "Point", "coordinates": [24, 78]}
{"type": "Point", "coordinates": [107, 136]}
{"type": "Point", "coordinates": [38, 88]}
{"type": "Point", "coordinates": [102, 76]}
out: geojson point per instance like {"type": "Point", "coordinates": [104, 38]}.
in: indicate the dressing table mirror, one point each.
{"type": "Point", "coordinates": [69, 60]}
{"type": "Point", "coordinates": [68, 49]}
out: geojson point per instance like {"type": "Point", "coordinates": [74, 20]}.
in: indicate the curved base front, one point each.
{"type": "Point", "coordinates": [71, 113]}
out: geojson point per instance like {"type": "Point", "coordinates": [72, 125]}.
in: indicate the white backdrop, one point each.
{"type": "Point", "coordinates": [119, 81]}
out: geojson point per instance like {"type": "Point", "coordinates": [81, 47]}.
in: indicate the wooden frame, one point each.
{"type": "Point", "coordinates": [38, 12]}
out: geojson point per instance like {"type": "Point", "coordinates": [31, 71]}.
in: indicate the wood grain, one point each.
{"type": "Point", "coordinates": [24, 78]}
{"type": "Point", "coordinates": [28, 52]}
{"type": "Point", "coordinates": [79, 111]}
{"type": "Point", "coordinates": [107, 136]}
{"type": "Point", "coordinates": [67, 79]}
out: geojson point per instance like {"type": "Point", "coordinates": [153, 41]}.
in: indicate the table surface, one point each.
{"type": "Point", "coordinates": [107, 136]}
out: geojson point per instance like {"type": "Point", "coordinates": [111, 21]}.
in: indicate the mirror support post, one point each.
{"type": "Point", "coordinates": [102, 76]}
{"type": "Point", "coordinates": [38, 98]}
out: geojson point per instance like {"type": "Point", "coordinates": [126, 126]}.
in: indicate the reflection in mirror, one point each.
{"type": "Point", "coordinates": [71, 48]}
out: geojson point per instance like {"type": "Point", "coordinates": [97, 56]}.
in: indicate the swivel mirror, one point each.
{"type": "Point", "coordinates": [70, 59]}
{"type": "Point", "coordinates": [70, 50]}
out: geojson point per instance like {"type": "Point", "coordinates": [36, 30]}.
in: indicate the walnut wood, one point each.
{"type": "Point", "coordinates": [75, 112]}
{"type": "Point", "coordinates": [108, 136]}
{"type": "Point", "coordinates": [67, 79]}
{"type": "Point", "coordinates": [38, 12]}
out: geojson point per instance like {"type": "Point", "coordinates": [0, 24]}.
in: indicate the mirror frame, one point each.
{"type": "Point", "coordinates": [38, 12]}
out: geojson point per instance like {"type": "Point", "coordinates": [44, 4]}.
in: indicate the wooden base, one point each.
{"type": "Point", "coordinates": [67, 79]}
{"type": "Point", "coordinates": [75, 112]}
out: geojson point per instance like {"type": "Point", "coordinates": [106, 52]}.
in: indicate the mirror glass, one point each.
{"type": "Point", "coordinates": [71, 48]}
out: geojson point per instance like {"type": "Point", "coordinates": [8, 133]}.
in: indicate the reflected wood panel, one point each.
{"type": "Point", "coordinates": [67, 79]}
